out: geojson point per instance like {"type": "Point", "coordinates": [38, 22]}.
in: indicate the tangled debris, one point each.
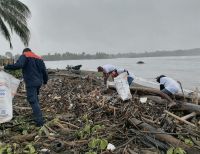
{"type": "Point", "coordinates": [82, 116]}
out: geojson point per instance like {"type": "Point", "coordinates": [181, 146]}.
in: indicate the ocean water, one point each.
{"type": "Point", "coordinates": [185, 69]}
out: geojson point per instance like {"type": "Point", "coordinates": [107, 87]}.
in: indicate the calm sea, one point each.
{"type": "Point", "coordinates": [184, 69]}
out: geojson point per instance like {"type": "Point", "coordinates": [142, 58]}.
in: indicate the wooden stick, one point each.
{"type": "Point", "coordinates": [179, 118]}
{"type": "Point", "coordinates": [21, 108]}
{"type": "Point", "coordinates": [20, 95]}
{"type": "Point", "coordinates": [132, 152]}
{"type": "Point", "coordinates": [23, 138]}
{"type": "Point", "coordinates": [148, 120]}
{"type": "Point", "coordinates": [75, 143]}
{"type": "Point", "coordinates": [162, 137]}
{"type": "Point", "coordinates": [125, 144]}
{"type": "Point", "coordinates": [70, 124]}
{"type": "Point", "coordinates": [189, 116]}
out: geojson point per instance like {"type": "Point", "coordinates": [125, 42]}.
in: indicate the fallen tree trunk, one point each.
{"type": "Point", "coordinates": [190, 107]}
{"type": "Point", "coordinates": [187, 98]}
{"type": "Point", "coordinates": [147, 91]}
{"type": "Point", "coordinates": [156, 99]}
{"type": "Point", "coordinates": [142, 90]}
{"type": "Point", "coordinates": [163, 137]}
{"type": "Point", "coordinates": [152, 91]}
{"type": "Point", "coordinates": [190, 97]}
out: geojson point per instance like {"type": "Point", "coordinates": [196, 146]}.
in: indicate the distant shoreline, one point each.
{"type": "Point", "coordinates": [182, 68]}
{"type": "Point", "coordinates": [124, 57]}
{"type": "Point", "coordinates": [56, 56]}
{"type": "Point", "coordinates": [106, 55]}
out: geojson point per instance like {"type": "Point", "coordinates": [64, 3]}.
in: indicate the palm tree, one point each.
{"type": "Point", "coordinates": [14, 14]}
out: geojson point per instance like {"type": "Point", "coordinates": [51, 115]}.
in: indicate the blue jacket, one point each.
{"type": "Point", "coordinates": [33, 69]}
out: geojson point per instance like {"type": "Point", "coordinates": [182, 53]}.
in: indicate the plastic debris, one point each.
{"type": "Point", "coordinates": [111, 147]}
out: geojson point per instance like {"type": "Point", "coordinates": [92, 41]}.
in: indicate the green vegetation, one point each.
{"type": "Point", "coordinates": [176, 151]}
{"type": "Point", "coordinates": [92, 132]}
{"type": "Point", "coordinates": [14, 149]}
{"type": "Point", "coordinates": [16, 73]}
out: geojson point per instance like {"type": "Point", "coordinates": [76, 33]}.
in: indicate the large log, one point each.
{"type": "Point", "coordinates": [150, 91]}
{"type": "Point", "coordinates": [163, 136]}
{"type": "Point", "coordinates": [147, 91]}
{"type": "Point", "coordinates": [156, 99]}
{"type": "Point", "coordinates": [190, 107]}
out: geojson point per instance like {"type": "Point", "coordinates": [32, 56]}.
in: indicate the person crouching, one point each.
{"type": "Point", "coordinates": [168, 85]}
{"type": "Point", "coordinates": [118, 71]}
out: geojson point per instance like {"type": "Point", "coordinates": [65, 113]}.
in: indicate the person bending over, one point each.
{"type": "Point", "coordinates": [118, 71]}
{"type": "Point", "coordinates": [168, 85]}
{"type": "Point", "coordinates": [109, 69]}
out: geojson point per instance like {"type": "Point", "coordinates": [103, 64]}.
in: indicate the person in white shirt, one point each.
{"type": "Point", "coordinates": [118, 71]}
{"type": "Point", "coordinates": [109, 69]}
{"type": "Point", "coordinates": [168, 85]}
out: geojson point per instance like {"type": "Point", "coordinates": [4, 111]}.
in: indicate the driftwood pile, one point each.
{"type": "Point", "coordinates": [82, 116]}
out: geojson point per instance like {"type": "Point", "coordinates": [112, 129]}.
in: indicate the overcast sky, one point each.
{"type": "Point", "coordinates": [110, 26]}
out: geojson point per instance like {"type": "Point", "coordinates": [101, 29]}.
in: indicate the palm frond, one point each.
{"type": "Point", "coordinates": [16, 5]}
{"type": "Point", "coordinates": [5, 32]}
{"type": "Point", "coordinates": [15, 14]}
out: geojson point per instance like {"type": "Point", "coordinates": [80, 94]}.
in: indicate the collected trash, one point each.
{"type": "Point", "coordinates": [122, 86]}
{"type": "Point", "coordinates": [143, 99]}
{"type": "Point", "coordinates": [8, 88]}
{"type": "Point", "coordinates": [110, 83]}
{"type": "Point", "coordinates": [111, 147]}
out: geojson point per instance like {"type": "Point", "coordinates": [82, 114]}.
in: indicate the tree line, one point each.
{"type": "Point", "coordinates": [103, 55]}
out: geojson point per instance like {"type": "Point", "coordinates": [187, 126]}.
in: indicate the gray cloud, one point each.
{"type": "Point", "coordinates": [111, 25]}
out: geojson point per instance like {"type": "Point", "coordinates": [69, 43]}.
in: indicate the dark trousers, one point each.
{"type": "Point", "coordinates": [130, 80]}
{"type": "Point", "coordinates": [32, 97]}
{"type": "Point", "coordinates": [167, 92]}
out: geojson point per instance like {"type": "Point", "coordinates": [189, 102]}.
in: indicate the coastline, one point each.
{"type": "Point", "coordinates": [147, 72]}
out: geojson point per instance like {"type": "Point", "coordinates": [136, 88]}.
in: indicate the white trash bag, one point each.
{"type": "Point", "coordinates": [110, 83]}
{"type": "Point", "coordinates": [8, 88]}
{"type": "Point", "coordinates": [122, 86]}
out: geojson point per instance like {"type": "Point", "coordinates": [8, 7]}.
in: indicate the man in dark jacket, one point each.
{"type": "Point", "coordinates": [34, 74]}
